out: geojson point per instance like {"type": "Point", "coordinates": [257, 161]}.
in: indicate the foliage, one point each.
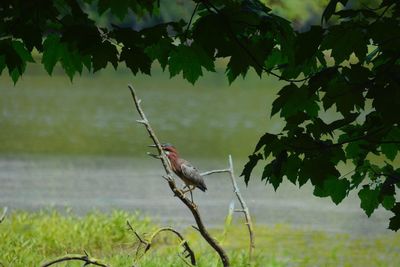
{"type": "Point", "coordinates": [349, 65]}
{"type": "Point", "coordinates": [24, 242]}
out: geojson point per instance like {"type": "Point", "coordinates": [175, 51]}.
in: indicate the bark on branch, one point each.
{"type": "Point", "coordinates": [171, 182]}
{"type": "Point", "coordinates": [245, 209]}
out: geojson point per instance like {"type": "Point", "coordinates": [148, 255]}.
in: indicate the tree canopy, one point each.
{"type": "Point", "coordinates": [348, 65]}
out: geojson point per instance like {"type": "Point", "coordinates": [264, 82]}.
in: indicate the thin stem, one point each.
{"type": "Point", "coordinates": [3, 215]}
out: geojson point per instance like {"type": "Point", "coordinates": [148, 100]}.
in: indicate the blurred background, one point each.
{"type": "Point", "coordinates": [76, 145]}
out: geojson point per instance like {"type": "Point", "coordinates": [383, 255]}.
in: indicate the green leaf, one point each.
{"type": "Point", "coordinates": [136, 60]}
{"type": "Point", "coordinates": [275, 170]}
{"type": "Point", "coordinates": [71, 61]}
{"type": "Point", "coordinates": [15, 74]}
{"type": "Point", "coordinates": [344, 40]}
{"type": "Point", "coordinates": [330, 9]}
{"type": "Point", "coordinates": [307, 44]}
{"type": "Point", "coordinates": [292, 167]}
{"type": "Point", "coordinates": [24, 54]}
{"type": "Point", "coordinates": [293, 99]}
{"type": "Point", "coordinates": [53, 50]}
{"type": "Point", "coordinates": [160, 51]}
{"type": "Point", "coordinates": [189, 60]}
{"type": "Point", "coordinates": [2, 63]}
{"type": "Point", "coordinates": [337, 189]}
{"type": "Point", "coordinates": [248, 168]}
{"type": "Point", "coordinates": [390, 150]}
{"type": "Point", "coordinates": [369, 199]}
{"type": "Point", "coordinates": [388, 202]}
{"type": "Point", "coordinates": [265, 140]}
{"type": "Point", "coordinates": [395, 220]}
{"type": "Point", "coordinates": [118, 8]}
{"type": "Point", "coordinates": [104, 53]}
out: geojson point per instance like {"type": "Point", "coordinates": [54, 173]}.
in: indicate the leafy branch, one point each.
{"type": "Point", "coordinates": [213, 9]}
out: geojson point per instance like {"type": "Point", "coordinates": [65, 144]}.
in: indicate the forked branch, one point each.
{"type": "Point", "coordinates": [244, 209]}
{"type": "Point", "coordinates": [149, 242]}
{"type": "Point", "coordinates": [171, 182]}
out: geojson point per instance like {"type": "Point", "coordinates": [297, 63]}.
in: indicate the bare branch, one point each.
{"type": "Point", "coordinates": [171, 182]}
{"type": "Point", "coordinates": [215, 171]}
{"type": "Point", "coordinates": [85, 258]}
{"type": "Point", "coordinates": [245, 209]}
{"type": "Point", "coordinates": [146, 123]}
{"type": "Point", "coordinates": [148, 242]}
{"type": "Point", "coordinates": [3, 216]}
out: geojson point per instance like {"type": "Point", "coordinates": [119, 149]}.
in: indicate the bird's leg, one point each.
{"type": "Point", "coordinates": [191, 194]}
{"type": "Point", "coordinates": [189, 189]}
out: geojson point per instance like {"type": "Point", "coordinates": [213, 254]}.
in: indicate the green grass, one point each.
{"type": "Point", "coordinates": [29, 239]}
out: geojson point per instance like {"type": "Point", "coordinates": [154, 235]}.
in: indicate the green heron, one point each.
{"type": "Point", "coordinates": [184, 170]}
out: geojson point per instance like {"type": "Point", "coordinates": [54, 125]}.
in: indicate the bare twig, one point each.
{"type": "Point", "coordinates": [85, 258]}
{"type": "Point", "coordinates": [3, 215]}
{"type": "Point", "coordinates": [214, 171]}
{"type": "Point", "coordinates": [244, 209]}
{"type": "Point", "coordinates": [148, 242]}
{"type": "Point", "coordinates": [178, 193]}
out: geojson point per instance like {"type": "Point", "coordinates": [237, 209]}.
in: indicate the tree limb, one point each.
{"type": "Point", "coordinates": [178, 193]}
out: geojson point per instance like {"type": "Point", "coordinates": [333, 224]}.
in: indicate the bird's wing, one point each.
{"type": "Point", "coordinates": [189, 170]}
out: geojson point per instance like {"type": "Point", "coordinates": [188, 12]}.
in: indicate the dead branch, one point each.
{"type": "Point", "coordinates": [3, 215]}
{"type": "Point", "coordinates": [244, 209]}
{"type": "Point", "coordinates": [85, 258]}
{"type": "Point", "coordinates": [148, 242]}
{"type": "Point", "coordinates": [171, 182]}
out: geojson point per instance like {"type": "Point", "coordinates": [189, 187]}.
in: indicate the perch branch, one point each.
{"type": "Point", "coordinates": [3, 216]}
{"type": "Point", "coordinates": [85, 258]}
{"type": "Point", "coordinates": [149, 242]}
{"type": "Point", "coordinates": [244, 208]}
{"type": "Point", "coordinates": [215, 171]}
{"type": "Point", "coordinates": [178, 193]}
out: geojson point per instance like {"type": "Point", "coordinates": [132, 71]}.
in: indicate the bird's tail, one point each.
{"type": "Point", "coordinates": [202, 186]}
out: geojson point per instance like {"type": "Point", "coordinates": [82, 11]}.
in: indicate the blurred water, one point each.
{"type": "Point", "coordinates": [77, 145]}
{"type": "Point", "coordinates": [135, 184]}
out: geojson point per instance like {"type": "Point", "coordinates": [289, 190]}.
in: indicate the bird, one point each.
{"type": "Point", "coordinates": [184, 170]}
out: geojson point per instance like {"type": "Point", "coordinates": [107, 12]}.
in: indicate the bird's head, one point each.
{"type": "Point", "coordinates": [168, 149]}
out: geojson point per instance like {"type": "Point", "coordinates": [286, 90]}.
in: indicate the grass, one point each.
{"type": "Point", "coordinates": [29, 239]}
